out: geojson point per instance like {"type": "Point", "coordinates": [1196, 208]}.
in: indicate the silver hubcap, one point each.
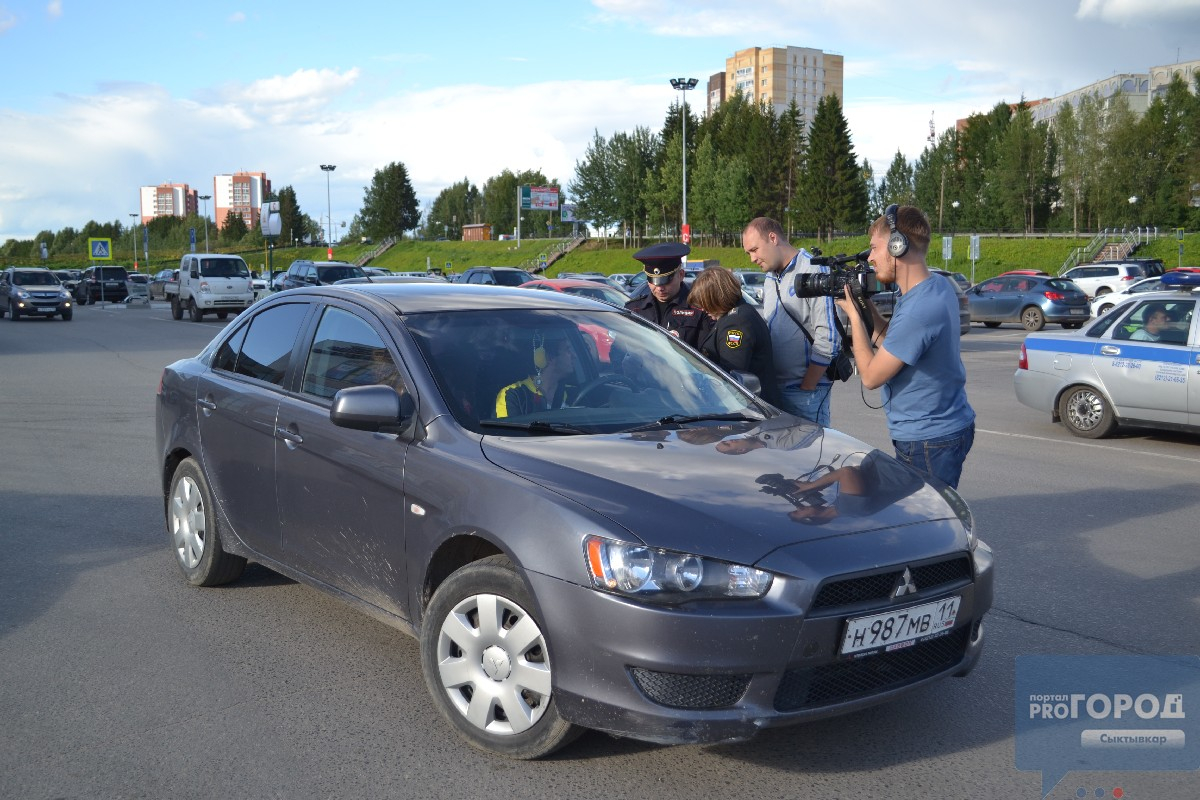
{"type": "Point", "coordinates": [187, 522]}
{"type": "Point", "coordinates": [493, 665]}
{"type": "Point", "coordinates": [1085, 410]}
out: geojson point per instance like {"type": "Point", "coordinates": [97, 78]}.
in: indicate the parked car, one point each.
{"type": "Point", "coordinates": [376, 271]}
{"type": "Point", "coordinates": [33, 292]}
{"type": "Point", "coordinates": [158, 284]}
{"type": "Point", "coordinates": [495, 276]}
{"type": "Point", "coordinates": [1025, 272]}
{"type": "Point", "coordinates": [1102, 278]}
{"type": "Point", "coordinates": [69, 278]}
{"type": "Point", "coordinates": [885, 301]}
{"type": "Point", "coordinates": [1133, 366]}
{"type": "Point", "coordinates": [304, 272]}
{"type": "Point", "coordinates": [1032, 300]}
{"type": "Point", "coordinates": [410, 278]}
{"type": "Point", "coordinates": [754, 280]}
{"type": "Point", "coordinates": [1101, 305]}
{"type": "Point", "coordinates": [102, 284]}
{"type": "Point", "coordinates": [581, 288]}
{"type": "Point", "coordinates": [592, 565]}
{"type": "Point", "coordinates": [1152, 267]}
{"type": "Point", "coordinates": [963, 281]}
{"type": "Point", "coordinates": [621, 280]}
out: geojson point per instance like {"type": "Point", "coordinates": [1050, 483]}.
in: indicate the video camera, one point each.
{"type": "Point", "coordinates": [852, 271]}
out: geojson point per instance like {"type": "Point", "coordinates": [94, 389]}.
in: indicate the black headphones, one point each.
{"type": "Point", "coordinates": [897, 242]}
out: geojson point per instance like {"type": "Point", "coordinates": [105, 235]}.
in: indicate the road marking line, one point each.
{"type": "Point", "coordinates": [1121, 450]}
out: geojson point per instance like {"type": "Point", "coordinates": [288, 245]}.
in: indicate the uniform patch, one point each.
{"type": "Point", "coordinates": [733, 339]}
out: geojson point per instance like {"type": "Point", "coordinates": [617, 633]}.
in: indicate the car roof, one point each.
{"type": "Point", "coordinates": [565, 283]}
{"type": "Point", "coordinates": [419, 297]}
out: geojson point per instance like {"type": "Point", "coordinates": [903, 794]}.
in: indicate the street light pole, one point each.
{"type": "Point", "coordinates": [133, 241]}
{"type": "Point", "coordinates": [206, 198]}
{"type": "Point", "coordinates": [328, 168]}
{"type": "Point", "coordinates": [683, 84]}
{"type": "Point", "coordinates": [954, 220]}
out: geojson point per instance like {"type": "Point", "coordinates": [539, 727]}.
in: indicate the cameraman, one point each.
{"type": "Point", "coordinates": [919, 364]}
{"type": "Point", "coordinates": [803, 336]}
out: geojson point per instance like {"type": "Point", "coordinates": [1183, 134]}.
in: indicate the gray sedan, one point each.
{"type": "Point", "coordinates": [620, 538]}
{"type": "Point", "coordinates": [1138, 364]}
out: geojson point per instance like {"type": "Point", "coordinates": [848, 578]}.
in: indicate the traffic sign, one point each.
{"type": "Point", "coordinates": [101, 249]}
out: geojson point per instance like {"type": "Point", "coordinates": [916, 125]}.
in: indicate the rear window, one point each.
{"type": "Point", "coordinates": [331, 274]}
{"type": "Point", "coordinates": [511, 277]}
{"type": "Point", "coordinates": [111, 273]}
{"type": "Point", "coordinates": [1062, 285]}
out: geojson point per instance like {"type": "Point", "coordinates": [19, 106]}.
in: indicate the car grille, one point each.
{"type": "Point", "coordinates": [690, 691]}
{"type": "Point", "coordinates": [813, 687]}
{"type": "Point", "coordinates": [879, 586]}
{"type": "Point", "coordinates": [234, 302]}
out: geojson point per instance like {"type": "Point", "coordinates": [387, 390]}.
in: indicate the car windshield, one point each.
{"type": "Point", "coordinates": [224, 268]}
{"type": "Point", "coordinates": [613, 372]}
{"type": "Point", "coordinates": [338, 273]}
{"type": "Point", "coordinates": [513, 277]}
{"type": "Point", "coordinates": [34, 279]}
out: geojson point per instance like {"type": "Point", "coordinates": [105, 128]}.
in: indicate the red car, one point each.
{"type": "Point", "coordinates": [591, 290]}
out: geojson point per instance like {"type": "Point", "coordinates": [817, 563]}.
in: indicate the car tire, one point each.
{"type": "Point", "coordinates": [3, 311]}
{"type": "Point", "coordinates": [222, 314]}
{"type": "Point", "coordinates": [194, 312]}
{"type": "Point", "coordinates": [991, 324]}
{"type": "Point", "coordinates": [1033, 319]}
{"type": "Point", "coordinates": [195, 532]}
{"type": "Point", "coordinates": [1085, 413]}
{"type": "Point", "coordinates": [176, 309]}
{"type": "Point", "coordinates": [66, 315]}
{"type": "Point", "coordinates": [1103, 290]}
{"type": "Point", "coordinates": [14, 313]}
{"type": "Point", "coordinates": [511, 714]}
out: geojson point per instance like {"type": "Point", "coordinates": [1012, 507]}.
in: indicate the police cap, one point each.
{"type": "Point", "coordinates": [659, 261]}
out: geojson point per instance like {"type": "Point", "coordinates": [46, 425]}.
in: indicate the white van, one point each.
{"type": "Point", "coordinates": [212, 283]}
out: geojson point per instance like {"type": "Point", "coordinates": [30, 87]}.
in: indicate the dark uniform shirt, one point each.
{"type": "Point", "coordinates": [675, 316]}
{"type": "Point", "coordinates": [741, 340]}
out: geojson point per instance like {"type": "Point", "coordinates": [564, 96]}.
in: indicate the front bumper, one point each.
{"type": "Point", "coordinates": [40, 306]}
{"type": "Point", "coordinates": [725, 671]}
{"type": "Point", "coordinates": [223, 302]}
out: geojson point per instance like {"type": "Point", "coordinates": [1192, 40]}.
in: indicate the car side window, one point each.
{"type": "Point", "coordinates": [266, 344]}
{"type": "Point", "coordinates": [347, 351]}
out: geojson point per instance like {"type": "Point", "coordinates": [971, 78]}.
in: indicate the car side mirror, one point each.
{"type": "Point", "coordinates": [372, 408]}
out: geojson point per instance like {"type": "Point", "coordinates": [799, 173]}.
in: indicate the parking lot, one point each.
{"type": "Point", "coordinates": [118, 679]}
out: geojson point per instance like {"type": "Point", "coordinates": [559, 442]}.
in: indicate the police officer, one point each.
{"type": "Point", "coordinates": [666, 304]}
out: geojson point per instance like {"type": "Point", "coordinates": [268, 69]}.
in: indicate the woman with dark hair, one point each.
{"type": "Point", "coordinates": [739, 339]}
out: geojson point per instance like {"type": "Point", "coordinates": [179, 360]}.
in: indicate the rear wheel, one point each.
{"type": "Point", "coordinates": [1085, 412]}
{"type": "Point", "coordinates": [176, 309]}
{"type": "Point", "coordinates": [195, 534]}
{"type": "Point", "coordinates": [487, 663]}
{"type": "Point", "coordinates": [991, 324]}
{"type": "Point", "coordinates": [1033, 319]}
{"type": "Point", "coordinates": [194, 311]}
{"type": "Point", "coordinates": [1103, 290]}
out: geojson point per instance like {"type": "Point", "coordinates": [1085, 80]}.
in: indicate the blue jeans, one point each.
{"type": "Point", "coordinates": [941, 457]}
{"type": "Point", "coordinates": [811, 405]}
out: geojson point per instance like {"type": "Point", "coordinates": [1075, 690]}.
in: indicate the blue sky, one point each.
{"type": "Point", "coordinates": [98, 99]}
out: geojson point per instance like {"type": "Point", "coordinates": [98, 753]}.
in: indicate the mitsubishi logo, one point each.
{"type": "Point", "coordinates": [905, 585]}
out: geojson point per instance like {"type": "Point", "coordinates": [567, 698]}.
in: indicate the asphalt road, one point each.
{"type": "Point", "coordinates": [119, 680]}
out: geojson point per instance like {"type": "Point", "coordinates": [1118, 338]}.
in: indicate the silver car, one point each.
{"type": "Point", "coordinates": [656, 553]}
{"type": "Point", "coordinates": [1139, 364]}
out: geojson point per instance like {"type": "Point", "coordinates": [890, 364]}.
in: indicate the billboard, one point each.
{"type": "Point", "coordinates": [539, 198]}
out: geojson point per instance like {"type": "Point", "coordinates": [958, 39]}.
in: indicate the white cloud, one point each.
{"type": "Point", "coordinates": [54, 8]}
{"type": "Point", "coordinates": [1121, 11]}
{"type": "Point", "coordinates": [237, 16]}
{"type": "Point", "coordinates": [7, 21]}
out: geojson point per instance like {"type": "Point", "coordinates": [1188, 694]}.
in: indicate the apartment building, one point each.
{"type": "Point", "coordinates": [1138, 88]}
{"type": "Point", "coordinates": [166, 200]}
{"type": "Point", "coordinates": [243, 193]}
{"type": "Point", "coordinates": [779, 75]}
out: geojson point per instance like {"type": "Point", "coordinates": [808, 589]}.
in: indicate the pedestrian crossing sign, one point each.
{"type": "Point", "coordinates": [101, 249]}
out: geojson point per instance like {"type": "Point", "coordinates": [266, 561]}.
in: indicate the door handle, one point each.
{"type": "Point", "coordinates": [289, 436]}
{"type": "Point", "coordinates": [1110, 350]}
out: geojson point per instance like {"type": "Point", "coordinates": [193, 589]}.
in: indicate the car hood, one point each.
{"type": "Point", "coordinates": [695, 490]}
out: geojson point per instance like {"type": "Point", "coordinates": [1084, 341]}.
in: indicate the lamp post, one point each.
{"type": "Point", "coordinates": [328, 168]}
{"type": "Point", "coordinates": [683, 84]}
{"type": "Point", "coordinates": [133, 241]}
{"type": "Point", "coordinates": [206, 198]}
{"type": "Point", "coordinates": [954, 219]}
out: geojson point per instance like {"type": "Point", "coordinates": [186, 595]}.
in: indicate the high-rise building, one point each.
{"type": "Point", "coordinates": [166, 200]}
{"type": "Point", "coordinates": [243, 193]}
{"type": "Point", "coordinates": [779, 75]}
{"type": "Point", "coordinates": [1138, 88]}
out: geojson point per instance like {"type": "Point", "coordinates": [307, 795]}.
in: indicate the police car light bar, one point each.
{"type": "Point", "coordinates": [1181, 280]}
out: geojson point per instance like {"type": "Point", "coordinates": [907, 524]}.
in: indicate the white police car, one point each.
{"type": "Point", "coordinates": [1139, 364]}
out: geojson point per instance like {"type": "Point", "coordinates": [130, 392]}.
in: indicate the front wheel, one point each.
{"type": "Point", "coordinates": [195, 534]}
{"type": "Point", "coordinates": [194, 311]}
{"type": "Point", "coordinates": [991, 324]}
{"type": "Point", "coordinates": [66, 315]}
{"type": "Point", "coordinates": [222, 314]}
{"type": "Point", "coordinates": [486, 660]}
{"type": "Point", "coordinates": [1103, 309]}
{"type": "Point", "coordinates": [15, 313]}
{"type": "Point", "coordinates": [1085, 412]}
{"type": "Point", "coordinates": [1033, 319]}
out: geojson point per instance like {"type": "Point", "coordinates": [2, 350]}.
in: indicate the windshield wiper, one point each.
{"type": "Point", "coordinates": [537, 426]}
{"type": "Point", "coordinates": [683, 419]}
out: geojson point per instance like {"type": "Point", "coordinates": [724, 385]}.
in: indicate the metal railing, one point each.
{"type": "Point", "coordinates": [1126, 241]}
{"type": "Point", "coordinates": [383, 247]}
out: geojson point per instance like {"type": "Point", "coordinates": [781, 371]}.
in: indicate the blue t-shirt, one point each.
{"type": "Point", "coordinates": [927, 398]}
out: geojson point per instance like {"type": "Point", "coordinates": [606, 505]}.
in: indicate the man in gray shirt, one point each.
{"type": "Point", "coordinates": [800, 359]}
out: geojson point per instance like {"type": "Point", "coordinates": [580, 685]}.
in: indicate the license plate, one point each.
{"type": "Point", "coordinates": [112, 284]}
{"type": "Point", "coordinates": [48, 310]}
{"type": "Point", "coordinates": [895, 628]}
{"type": "Point", "coordinates": [1079, 311]}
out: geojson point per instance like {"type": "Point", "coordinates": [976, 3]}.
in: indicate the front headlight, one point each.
{"type": "Point", "coordinates": [962, 511]}
{"type": "Point", "coordinates": [21, 294]}
{"type": "Point", "coordinates": [665, 576]}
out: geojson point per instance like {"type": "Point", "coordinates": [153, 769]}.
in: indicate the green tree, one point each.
{"type": "Point", "coordinates": [833, 194]}
{"type": "Point", "coordinates": [897, 185]}
{"type": "Point", "coordinates": [233, 229]}
{"type": "Point", "coordinates": [291, 218]}
{"type": "Point", "coordinates": [594, 187]}
{"type": "Point", "coordinates": [456, 205]}
{"type": "Point", "coordinates": [389, 205]}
